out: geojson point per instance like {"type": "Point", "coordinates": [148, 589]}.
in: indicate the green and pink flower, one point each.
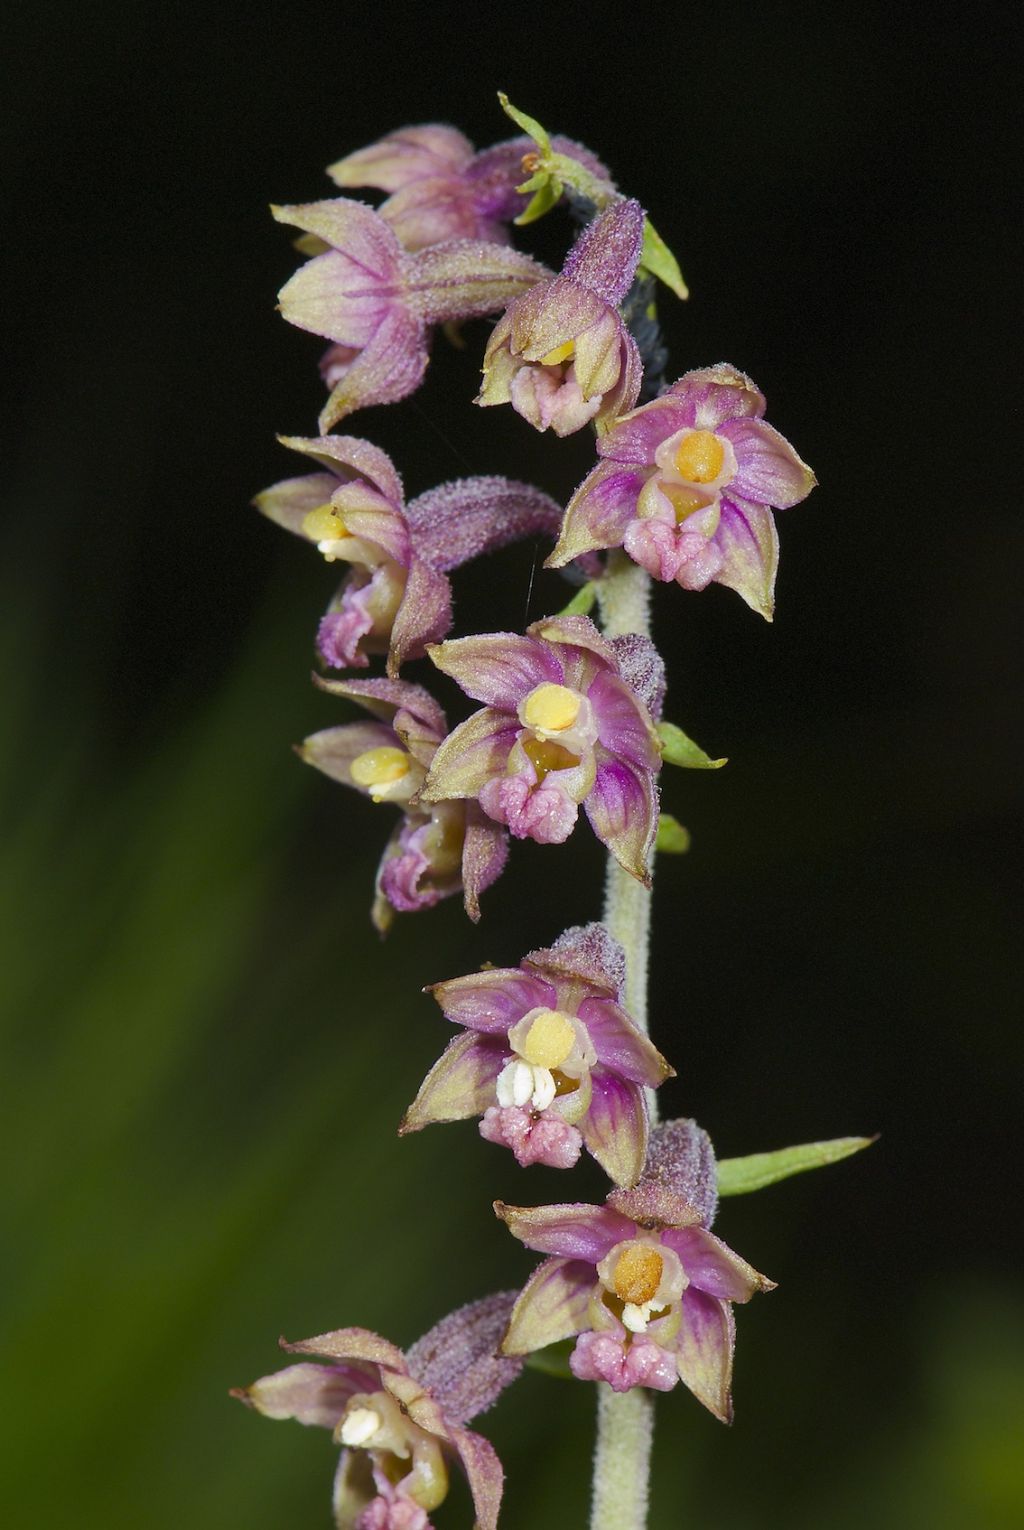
{"type": "Point", "coordinates": [548, 1058]}
{"type": "Point", "coordinates": [688, 485]}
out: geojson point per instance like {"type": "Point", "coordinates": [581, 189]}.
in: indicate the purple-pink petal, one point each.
{"type": "Point", "coordinates": [636, 437]}
{"type": "Point", "coordinates": [615, 1126]}
{"type": "Point", "coordinates": [553, 1305]}
{"type": "Point", "coordinates": [574, 1231]}
{"type": "Point", "coordinates": [715, 394]}
{"type": "Point", "coordinates": [348, 455]}
{"type": "Point", "coordinates": [621, 1046]}
{"type": "Point", "coordinates": [387, 697]}
{"type": "Point", "coordinates": [350, 1344]}
{"type": "Point", "coordinates": [623, 810]}
{"type": "Point", "coordinates": [484, 1474]}
{"type": "Point", "coordinates": [768, 470]}
{"type": "Point", "coordinates": [460, 1084]}
{"type": "Point", "coordinates": [704, 1347]}
{"type": "Point", "coordinates": [289, 502]}
{"type": "Point", "coordinates": [307, 1392]}
{"type": "Point", "coordinates": [497, 668]}
{"type": "Point", "coordinates": [712, 1266]}
{"type": "Point", "coordinates": [424, 614]}
{"type": "Point", "coordinates": [389, 368]}
{"type": "Point", "coordinates": [484, 853]}
{"type": "Point", "coordinates": [465, 278]}
{"type": "Point", "coordinates": [492, 1001]}
{"type": "Point", "coordinates": [623, 725]}
{"type": "Point", "coordinates": [332, 750]}
{"type": "Point", "coordinates": [599, 512]}
{"type": "Point", "coordinates": [471, 755]}
{"type": "Point", "coordinates": [749, 543]}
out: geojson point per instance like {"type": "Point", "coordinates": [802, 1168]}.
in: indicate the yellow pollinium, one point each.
{"type": "Point", "coordinates": [379, 767]}
{"type": "Point", "coordinates": [324, 524]}
{"type": "Point", "coordinates": [699, 457]}
{"type": "Point", "coordinates": [552, 708]}
{"type": "Point", "coordinates": [684, 501]}
{"type": "Point", "coordinates": [559, 354]}
{"type": "Point", "coordinates": [549, 1040]}
{"type": "Point", "coordinates": [637, 1273]}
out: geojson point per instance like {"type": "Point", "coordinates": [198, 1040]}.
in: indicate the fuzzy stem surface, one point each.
{"type": "Point", "coordinates": [625, 1420]}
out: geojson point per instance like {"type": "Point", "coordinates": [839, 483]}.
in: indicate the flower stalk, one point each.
{"type": "Point", "coordinates": [620, 1487]}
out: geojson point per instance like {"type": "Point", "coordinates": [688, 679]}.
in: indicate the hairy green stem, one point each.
{"type": "Point", "coordinates": [625, 1420]}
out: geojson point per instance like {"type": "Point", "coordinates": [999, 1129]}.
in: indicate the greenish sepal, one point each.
{"type": "Point", "coordinates": [672, 837]}
{"type": "Point", "coordinates": [543, 200]}
{"type": "Point", "coordinates": [738, 1176]}
{"type": "Point", "coordinates": [529, 125]}
{"type": "Point", "coordinates": [678, 749]}
{"type": "Point", "coordinates": [657, 258]}
{"type": "Point", "coordinates": [582, 601]}
{"type": "Point", "coordinates": [553, 1360]}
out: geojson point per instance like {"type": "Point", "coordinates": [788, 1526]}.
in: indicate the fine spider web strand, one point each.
{"type": "Point", "coordinates": [625, 1420]}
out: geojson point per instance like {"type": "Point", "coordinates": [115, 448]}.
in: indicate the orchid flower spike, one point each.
{"type": "Point", "coordinates": [441, 188]}
{"type": "Point", "coordinates": [641, 1283]}
{"type": "Point", "coordinates": [561, 353]}
{"type": "Point", "coordinates": [548, 1057]}
{"type": "Point", "coordinates": [396, 598]}
{"type": "Point", "coordinates": [376, 302]}
{"type": "Point", "coordinates": [435, 850]}
{"type": "Point", "coordinates": [687, 487]}
{"type": "Point", "coordinates": [568, 718]}
{"type": "Point", "coordinates": [400, 1418]}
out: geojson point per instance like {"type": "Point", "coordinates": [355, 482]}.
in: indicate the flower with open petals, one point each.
{"type": "Point", "coordinates": [641, 1283]}
{"type": "Point", "coordinates": [549, 1058]}
{"type": "Point", "coordinates": [561, 354]}
{"type": "Point", "coordinates": [396, 597]}
{"type": "Point", "coordinates": [441, 188]}
{"type": "Point", "coordinates": [435, 850]}
{"type": "Point", "coordinates": [377, 302]}
{"type": "Point", "coordinates": [688, 486]}
{"type": "Point", "coordinates": [400, 1417]}
{"type": "Point", "coordinates": [567, 720]}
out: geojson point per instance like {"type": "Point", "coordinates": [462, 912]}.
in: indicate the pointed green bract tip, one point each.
{"type": "Point", "coordinates": [678, 749]}
{"type": "Point", "coordinates": [529, 125]}
{"type": "Point", "coordinates": [739, 1176]}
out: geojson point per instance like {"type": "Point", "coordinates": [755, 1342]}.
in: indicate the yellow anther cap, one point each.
{"type": "Point", "coordinates": [551, 707]}
{"type": "Point", "coordinates": [549, 1040]}
{"type": "Point", "coordinates": [379, 767]}
{"type": "Point", "coordinates": [324, 525]}
{"type": "Point", "coordinates": [637, 1273]}
{"type": "Point", "coordinates": [699, 456]}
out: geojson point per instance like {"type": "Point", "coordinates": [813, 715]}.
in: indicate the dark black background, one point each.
{"type": "Point", "coordinates": [838, 952]}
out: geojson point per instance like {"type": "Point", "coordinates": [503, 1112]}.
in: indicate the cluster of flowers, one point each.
{"type": "Point", "coordinates": [546, 1055]}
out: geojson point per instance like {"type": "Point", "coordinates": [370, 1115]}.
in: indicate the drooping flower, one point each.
{"type": "Point", "coordinates": [400, 1417]}
{"type": "Point", "coordinates": [688, 486]}
{"type": "Point", "coordinates": [549, 1058]}
{"type": "Point", "coordinates": [568, 719]}
{"type": "Point", "coordinates": [641, 1283]}
{"type": "Point", "coordinates": [561, 354]}
{"type": "Point", "coordinates": [396, 598]}
{"type": "Point", "coordinates": [377, 302]}
{"type": "Point", "coordinates": [441, 188]}
{"type": "Point", "coordinates": [435, 850]}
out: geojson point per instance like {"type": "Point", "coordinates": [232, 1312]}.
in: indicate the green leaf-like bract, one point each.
{"type": "Point", "coordinates": [678, 749]}
{"type": "Point", "coordinates": [672, 838]}
{"type": "Point", "coordinates": [738, 1176]}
